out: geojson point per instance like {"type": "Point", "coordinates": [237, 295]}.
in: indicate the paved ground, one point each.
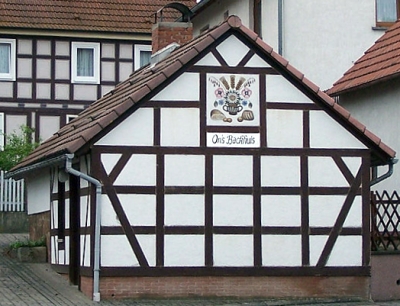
{"type": "Point", "coordinates": [36, 284]}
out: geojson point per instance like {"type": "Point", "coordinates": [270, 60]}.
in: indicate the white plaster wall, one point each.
{"type": "Point", "coordinates": [208, 60]}
{"type": "Point", "coordinates": [230, 170]}
{"type": "Point", "coordinates": [85, 211]}
{"type": "Point", "coordinates": [109, 160]}
{"type": "Point", "coordinates": [85, 92]}
{"type": "Point", "coordinates": [229, 44]}
{"type": "Point", "coordinates": [281, 250]}
{"type": "Point", "coordinates": [232, 210]}
{"type": "Point", "coordinates": [256, 62]}
{"type": "Point", "coordinates": [53, 249]}
{"type": "Point", "coordinates": [184, 209]}
{"type": "Point", "coordinates": [48, 126]}
{"type": "Point", "coordinates": [280, 171]}
{"type": "Point", "coordinates": [184, 88]}
{"type": "Point", "coordinates": [233, 250]}
{"type": "Point", "coordinates": [378, 108]}
{"type": "Point", "coordinates": [184, 170]}
{"type": "Point", "coordinates": [117, 252]}
{"type": "Point", "coordinates": [137, 130]}
{"type": "Point", "coordinates": [85, 250]}
{"type": "Point", "coordinates": [140, 170]}
{"type": "Point", "coordinates": [327, 133]}
{"type": "Point", "coordinates": [215, 14]}
{"type": "Point", "coordinates": [38, 192]}
{"type": "Point", "coordinates": [323, 171]}
{"type": "Point", "coordinates": [287, 207]}
{"type": "Point", "coordinates": [284, 128]}
{"type": "Point", "coordinates": [184, 250]}
{"type": "Point", "coordinates": [278, 89]}
{"type": "Point", "coordinates": [180, 127]}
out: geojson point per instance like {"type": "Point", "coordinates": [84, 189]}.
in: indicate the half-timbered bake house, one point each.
{"type": "Point", "coordinates": [218, 171]}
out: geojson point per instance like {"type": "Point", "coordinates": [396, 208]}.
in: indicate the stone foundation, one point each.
{"type": "Point", "coordinates": [39, 226]}
{"type": "Point", "coordinates": [385, 277]}
{"type": "Point", "coordinates": [356, 288]}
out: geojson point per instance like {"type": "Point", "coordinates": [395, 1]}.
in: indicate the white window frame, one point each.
{"type": "Point", "coordinates": [95, 79]}
{"type": "Point", "coordinates": [70, 118]}
{"type": "Point", "coordinates": [138, 49]}
{"type": "Point", "coordinates": [11, 75]}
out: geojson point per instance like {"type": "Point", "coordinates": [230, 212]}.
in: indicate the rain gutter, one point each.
{"type": "Point", "coordinates": [386, 175]}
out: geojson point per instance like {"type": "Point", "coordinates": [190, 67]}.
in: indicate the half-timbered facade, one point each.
{"type": "Point", "coordinates": [57, 57]}
{"type": "Point", "coordinates": [211, 173]}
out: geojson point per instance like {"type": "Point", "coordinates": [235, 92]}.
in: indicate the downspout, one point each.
{"type": "Point", "coordinates": [96, 268]}
{"type": "Point", "coordinates": [280, 27]}
{"type": "Point", "coordinates": [386, 175]}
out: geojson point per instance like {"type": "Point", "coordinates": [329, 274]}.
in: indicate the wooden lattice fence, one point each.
{"type": "Point", "coordinates": [385, 221]}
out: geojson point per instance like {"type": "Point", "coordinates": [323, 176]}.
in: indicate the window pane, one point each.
{"type": "Point", "coordinates": [5, 54]}
{"type": "Point", "coordinates": [144, 58]}
{"type": "Point", "coordinates": [85, 61]}
{"type": "Point", "coordinates": [386, 11]}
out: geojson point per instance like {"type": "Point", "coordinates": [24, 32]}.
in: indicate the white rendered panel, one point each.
{"type": "Point", "coordinates": [24, 46]}
{"type": "Point", "coordinates": [125, 70]}
{"type": "Point", "coordinates": [284, 128]}
{"type": "Point", "coordinates": [62, 69]}
{"type": "Point", "coordinates": [66, 251]}
{"type": "Point", "coordinates": [140, 209]}
{"type": "Point", "coordinates": [108, 71]}
{"type": "Point", "coordinates": [48, 126]}
{"type": "Point", "coordinates": [281, 250]}
{"type": "Point", "coordinates": [6, 89]}
{"type": "Point", "coordinates": [324, 211]}
{"type": "Point", "coordinates": [85, 92]}
{"type": "Point", "coordinates": [137, 130]}
{"type": "Point", "coordinates": [230, 170]}
{"type": "Point", "coordinates": [62, 48]}
{"type": "Point", "coordinates": [257, 61]}
{"type": "Point", "coordinates": [107, 50]}
{"type": "Point", "coordinates": [184, 88]}
{"type": "Point", "coordinates": [117, 252]}
{"type": "Point", "coordinates": [126, 51]}
{"type": "Point", "coordinates": [353, 164]}
{"type": "Point", "coordinates": [66, 216]}
{"type": "Point", "coordinates": [230, 44]}
{"type": "Point", "coordinates": [233, 250]}
{"type": "Point", "coordinates": [278, 89]}
{"type": "Point", "coordinates": [85, 250]}
{"type": "Point", "coordinates": [208, 60]}
{"type": "Point", "coordinates": [109, 161]}
{"type": "Point", "coordinates": [62, 91]}
{"type": "Point", "coordinates": [85, 211]}
{"type": "Point", "coordinates": [184, 209]}
{"type": "Point", "coordinates": [233, 210]}
{"type": "Point", "coordinates": [327, 133]}
{"type": "Point", "coordinates": [180, 127]}
{"type": "Point", "coordinates": [24, 90]}
{"type": "Point", "coordinates": [317, 244]}
{"type": "Point", "coordinates": [43, 69]}
{"type": "Point", "coordinates": [324, 172]}
{"type": "Point", "coordinates": [108, 214]}
{"type": "Point", "coordinates": [184, 170]}
{"type": "Point", "coordinates": [24, 68]}
{"type": "Point", "coordinates": [53, 250]}
{"type": "Point", "coordinates": [43, 47]}
{"type": "Point", "coordinates": [280, 171]}
{"type": "Point", "coordinates": [139, 170]}
{"type": "Point", "coordinates": [38, 191]}
{"type": "Point", "coordinates": [287, 207]}
{"type": "Point", "coordinates": [184, 251]}
{"type": "Point", "coordinates": [43, 91]}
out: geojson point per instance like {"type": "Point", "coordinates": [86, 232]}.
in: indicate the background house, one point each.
{"type": "Point", "coordinates": [322, 38]}
{"type": "Point", "coordinates": [57, 57]}
{"type": "Point", "coordinates": [213, 173]}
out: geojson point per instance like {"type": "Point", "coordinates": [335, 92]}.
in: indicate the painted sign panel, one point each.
{"type": "Point", "coordinates": [233, 100]}
{"type": "Point", "coordinates": [233, 140]}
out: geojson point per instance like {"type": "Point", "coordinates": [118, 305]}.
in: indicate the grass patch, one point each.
{"type": "Point", "coordinates": [27, 243]}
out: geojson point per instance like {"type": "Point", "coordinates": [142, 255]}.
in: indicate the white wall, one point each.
{"type": "Point", "coordinates": [38, 192]}
{"type": "Point", "coordinates": [378, 107]}
{"type": "Point", "coordinates": [321, 38]}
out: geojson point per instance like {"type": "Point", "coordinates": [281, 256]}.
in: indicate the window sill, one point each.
{"type": "Point", "coordinates": [379, 28]}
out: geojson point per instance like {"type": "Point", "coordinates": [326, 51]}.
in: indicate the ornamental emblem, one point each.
{"type": "Point", "coordinates": [232, 99]}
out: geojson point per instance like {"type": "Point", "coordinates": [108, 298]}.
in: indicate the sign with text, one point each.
{"type": "Point", "coordinates": [233, 140]}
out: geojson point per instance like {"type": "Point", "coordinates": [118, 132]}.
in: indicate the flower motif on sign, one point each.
{"type": "Point", "coordinates": [232, 99]}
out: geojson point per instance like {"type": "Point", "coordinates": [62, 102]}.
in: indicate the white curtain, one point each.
{"type": "Point", "coordinates": [144, 58]}
{"type": "Point", "coordinates": [85, 60]}
{"type": "Point", "coordinates": [386, 11]}
{"type": "Point", "coordinates": [5, 52]}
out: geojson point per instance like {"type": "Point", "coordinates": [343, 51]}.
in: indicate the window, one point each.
{"type": "Point", "coordinates": [7, 59]}
{"type": "Point", "coordinates": [85, 62]}
{"type": "Point", "coordinates": [70, 118]}
{"type": "Point", "coordinates": [142, 55]}
{"type": "Point", "coordinates": [387, 12]}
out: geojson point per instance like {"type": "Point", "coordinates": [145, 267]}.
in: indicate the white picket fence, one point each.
{"type": "Point", "coordinates": [12, 194]}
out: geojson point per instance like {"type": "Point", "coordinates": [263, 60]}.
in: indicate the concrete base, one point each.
{"type": "Point", "coordinates": [385, 277]}
{"type": "Point", "coordinates": [32, 254]}
{"type": "Point", "coordinates": [13, 222]}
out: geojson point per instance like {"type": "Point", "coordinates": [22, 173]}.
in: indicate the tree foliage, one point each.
{"type": "Point", "coordinates": [17, 146]}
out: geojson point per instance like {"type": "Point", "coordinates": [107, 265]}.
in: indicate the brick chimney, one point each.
{"type": "Point", "coordinates": [166, 33]}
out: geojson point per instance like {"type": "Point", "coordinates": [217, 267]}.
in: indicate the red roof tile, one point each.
{"type": "Point", "coordinates": [105, 112]}
{"type": "Point", "coordinates": [117, 16]}
{"type": "Point", "coordinates": [380, 62]}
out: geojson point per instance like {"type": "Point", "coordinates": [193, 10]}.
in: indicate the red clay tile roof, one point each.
{"type": "Point", "coordinates": [104, 114]}
{"type": "Point", "coordinates": [121, 16]}
{"type": "Point", "coordinates": [380, 62]}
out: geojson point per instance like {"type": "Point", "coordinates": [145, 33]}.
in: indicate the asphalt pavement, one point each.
{"type": "Point", "coordinates": [34, 284]}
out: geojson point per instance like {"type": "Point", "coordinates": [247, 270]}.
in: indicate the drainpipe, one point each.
{"type": "Point", "coordinates": [280, 27]}
{"type": "Point", "coordinates": [96, 268]}
{"type": "Point", "coordinates": [386, 175]}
